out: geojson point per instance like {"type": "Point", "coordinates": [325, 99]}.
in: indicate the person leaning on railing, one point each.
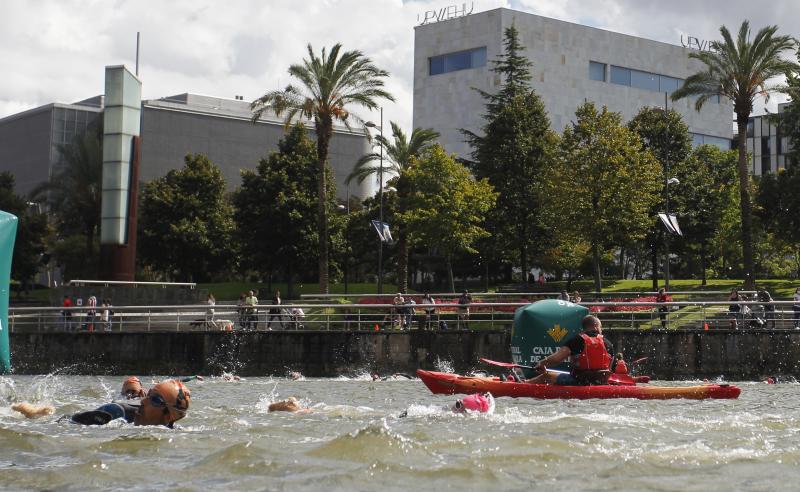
{"type": "Point", "coordinates": [796, 309]}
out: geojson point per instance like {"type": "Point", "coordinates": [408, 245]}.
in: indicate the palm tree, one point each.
{"type": "Point", "coordinates": [328, 86]}
{"type": "Point", "coordinates": [739, 70]}
{"type": "Point", "coordinates": [398, 156]}
{"type": "Point", "coordinates": [74, 192]}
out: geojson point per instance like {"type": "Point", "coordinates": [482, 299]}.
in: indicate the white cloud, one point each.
{"type": "Point", "coordinates": [54, 50]}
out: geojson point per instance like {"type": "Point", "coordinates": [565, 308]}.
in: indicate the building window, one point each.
{"type": "Point", "coordinates": [460, 60]}
{"type": "Point", "coordinates": [668, 84]}
{"type": "Point", "coordinates": [621, 76]}
{"type": "Point", "coordinates": [766, 167]}
{"type": "Point", "coordinates": [597, 71]}
{"type": "Point", "coordinates": [644, 80]}
{"type": "Point", "coordinates": [700, 139]}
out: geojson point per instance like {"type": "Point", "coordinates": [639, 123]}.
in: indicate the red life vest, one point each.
{"type": "Point", "coordinates": [594, 356]}
{"type": "Point", "coordinates": [622, 367]}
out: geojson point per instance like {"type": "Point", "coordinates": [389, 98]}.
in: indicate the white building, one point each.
{"type": "Point", "coordinates": [571, 64]}
{"type": "Point", "coordinates": [766, 147]}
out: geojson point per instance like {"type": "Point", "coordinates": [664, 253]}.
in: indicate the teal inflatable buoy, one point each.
{"type": "Point", "coordinates": [8, 233]}
{"type": "Point", "coordinates": [541, 328]}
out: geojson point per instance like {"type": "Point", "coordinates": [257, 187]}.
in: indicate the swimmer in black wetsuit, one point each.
{"type": "Point", "coordinates": [397, 375]}
{"type": "Point", "coordinates": [165, 403]}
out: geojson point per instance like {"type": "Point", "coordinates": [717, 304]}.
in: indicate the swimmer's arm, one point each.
{"type": "Point", "coordinates": [560, 355]}
{"type": "Point", "coordinates": [191, 378]}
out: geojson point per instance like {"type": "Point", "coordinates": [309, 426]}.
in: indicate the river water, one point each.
{"type": "Point", "coordinates": [355, 439]}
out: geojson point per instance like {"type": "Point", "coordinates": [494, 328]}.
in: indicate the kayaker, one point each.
{"type": "Point", "coordinates": [619, 366]}
{"type": "Point", "coordinates": [591, 358]}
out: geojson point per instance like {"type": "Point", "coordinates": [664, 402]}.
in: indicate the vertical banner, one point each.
{"type": "Point", "coordinates": [8, 232]}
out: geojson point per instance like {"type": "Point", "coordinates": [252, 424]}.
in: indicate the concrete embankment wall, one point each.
{"type": "Point", "coordinates": [671, 354]}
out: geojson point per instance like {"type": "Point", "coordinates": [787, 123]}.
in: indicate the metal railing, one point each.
{"type": "Point", "coordinates": [441, 316]}
{"type": "Point", "coordinates": [121, 283]}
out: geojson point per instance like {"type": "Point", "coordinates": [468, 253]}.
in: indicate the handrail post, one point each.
{"type": "Point", "coordinates": [149, 319]}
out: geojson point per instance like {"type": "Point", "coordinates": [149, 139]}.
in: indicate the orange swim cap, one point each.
{"type": "Point", "coordinates": [173, 395]}
{"type": "Point", "coordinates": [132, 385]}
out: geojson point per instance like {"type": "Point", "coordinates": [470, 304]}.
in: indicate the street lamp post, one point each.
{"type": "Point", "coordinates": [666, 191]}
{"type": "Point", "coordinates": [380, 200]}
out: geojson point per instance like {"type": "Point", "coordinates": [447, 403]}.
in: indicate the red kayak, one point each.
{"type": "Point", "coordinates": [442, 383]}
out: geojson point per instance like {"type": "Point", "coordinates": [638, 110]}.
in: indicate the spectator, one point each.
{"type": "Point", "coordinates": [66, 314]}
{"type": "Point", "coordinates": [662, 310]}
{"type": "Point", "coordinates": [541, 279]}
{"type": "Point", "coordinates": [463, 308]}
{"type": "Point", "coordinates": [430, 310]}
{"type": "Point", "coordinates": [410, 311]}
{"type": "Point", "coordinates": [796, 309]}
{"type": "Point", "coordinates": [106, 314]}
{"type": "Point", "coordinates": [91, 303]}
{"type": "Point", "coordinates": [251, 313]}
{"type": "Point", "coordinates": [769, 309]}
{"type": "Point", "coordinates": [296, 316]}
{"type": "Point", "coordinates": [397, 310]}
{"type": "Point", "coordinates": [735, 308]}
{"type": "Point", "coordinates": [211, 301]}
{"type": "Point", "coordinates": [275, 311]}
{"type": "Point", "coordinates": [563, 296]}
{"type": "Point", "coordinates": [576, 297]}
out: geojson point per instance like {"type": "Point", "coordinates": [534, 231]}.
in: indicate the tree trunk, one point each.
{"type": "Point", "coordinates": [324, 130]}
{"type": "Point", "coordinates": [703, 262]}
{"type": "Point", "coordinates": [654, 263]}
{"type": "Point", "coordinates": [289, 281]}
{"type": "Point", "coordinates": [523, 255]}
{"type": "Point", "coordinates": [402, 262]}
{"type": "Point", "coordinates": [450, 273]}
{"type": "Point", "coordinates": [744, 197]}
{"type": "Point", "coordinates": [486, 275]}
{"type": "Point", "coordinates": [598, 283]}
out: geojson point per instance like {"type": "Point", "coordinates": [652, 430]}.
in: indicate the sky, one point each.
{"type": "Point", "coordinates": [55, 50]}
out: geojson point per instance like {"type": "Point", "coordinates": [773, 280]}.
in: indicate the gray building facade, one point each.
{"type": "Point", "coordinates": [29, 140]}
{"type": "Point", "coordinates": [571, 64]}
{"type": "Point", "coordinates": [171, 127]}
{"type": "Point", "coordinates": [766, 147]}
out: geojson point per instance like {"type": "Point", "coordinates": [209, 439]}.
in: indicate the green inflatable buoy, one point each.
{"type": "Point", "coordinates": [8, 233]}
{"type": "Point", "coordinates": [541, 328]}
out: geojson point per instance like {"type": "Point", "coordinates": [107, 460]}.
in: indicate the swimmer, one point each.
{"type": "Point", "coordinates": [230, 377]}
{"type": "Point", "coordinates": [290, 404]}
{"type": "Point", "coordinates": [132, 388]}
{"type": "Point", "coordinates": [395, 376]}
{"type": "Point", "coordinates": [33, 411]}
{"type": "Point", "coordinates": [294, 375]}
{"type": "Point", "coordinates": [480, 403]}
{"type": "Point", "coordinates": [165, 403]}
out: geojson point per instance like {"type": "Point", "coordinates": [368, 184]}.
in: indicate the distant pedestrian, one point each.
{"type": "Point", "coordinates": [463, 308]}
{"type": "Point", "coordinates": [563, 296]}
{"type": "Point", "coordinates": [769, 309]}
{"type": "Point", "coordinates": [397, 311]}
{"type": "Point", "coordinates": [91, 314]}
{"type": "Point", "coordinates": [250, 302]}
{"type": "Point", "coordinates": [735, 308]}
{"type": "Point", "coordinates": [541, 279]}
{"type": "Point", "coordinates": [796, 309]}
{"type": "Point", "coordinates": [275, 311]}
{"type": "Point", "coordinates": [66, 314]}
{"type": "Point", "coordinates": [662, 310]}
{"type": "Point", "coordinates": [211, 301]}
{"type": "Point", "coordinates": [242, 311]}
{"type": "Point", "coordinates": [430, 310]}
{"type": "Point", "coordinates": [410, 311]}
{"type": "Point", "coordinates": [576, 297]}
{"type": "Point", "coordinates": [106, 314]}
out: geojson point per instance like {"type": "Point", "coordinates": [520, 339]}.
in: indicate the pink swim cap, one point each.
{"type": "Point", "coordinates": [476, 403]}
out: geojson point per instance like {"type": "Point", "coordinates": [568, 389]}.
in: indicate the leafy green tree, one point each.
{"type": "Point", "coordinates": [789, 120]}
{"type": "Point", "coordinates": [399, 153]}
{"type": "Point", "coordinates": [186, 222]}
{"type": "Point", "coordinates": [275, 209]}
{"type": "Point", "coordinates": [511, 154]}
{"type": "Point", "coordinates": [602, 185]}
{"type": "Point", "coordinates": [74, 192]}
{"type": "Point", "coordinates": [329, 85]}
{"type": "Point", "coordinates": [667, 137]}
{"type": "Point", "coordinates": [779, 206]}
{"type": "Point", "coordinates": [739, 70]}
{"type": "Point", "coordinates": [705, 191]}
{"type": "Point", "coordinates": [32, 231]}
{"type": "Point", "coordinates": [446, 205]}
